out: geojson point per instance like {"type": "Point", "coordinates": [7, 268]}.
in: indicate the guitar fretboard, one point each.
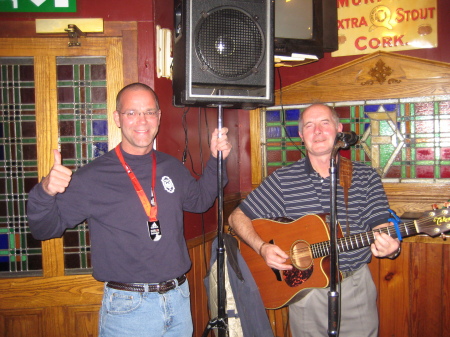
{"type": "Point", "coordinates": [361, 240]}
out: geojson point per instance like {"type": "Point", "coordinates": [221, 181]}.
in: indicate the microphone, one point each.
{"type": "Point", "coordinates": [349, 138]}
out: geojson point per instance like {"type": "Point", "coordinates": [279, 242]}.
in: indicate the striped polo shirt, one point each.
{"type": "Point", "coordinates": [298, 190]}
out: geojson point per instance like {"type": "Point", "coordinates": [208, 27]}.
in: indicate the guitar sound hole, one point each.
{"type": "Point", "coordinates": [301, 256]}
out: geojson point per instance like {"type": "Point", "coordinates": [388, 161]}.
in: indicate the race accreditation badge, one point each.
{"type": "Point", "coordinates": [154, 230]}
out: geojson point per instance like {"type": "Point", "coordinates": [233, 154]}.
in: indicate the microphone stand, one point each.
{"type": "Point", "coordinates": [333, 294]}
{"type": "Point", "coordinates": [220, 322]}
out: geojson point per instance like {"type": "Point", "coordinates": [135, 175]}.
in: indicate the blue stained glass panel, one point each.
{"type": "Point", "coordinates": [371, 108]}
{"type": "Point", "coordinates": [3, 241]}
{"type": "Point", "coordinates": [292, 115]}
{"type": "Point", "coordinates": [292, 131]}
{"type": "Point", "coordinates": [273, 132]}
{"type": "Point", "coordinates": [100, 149]}
{"type": "Point", "coordinates": [390, 107]}
{"type": "Point", "coordinates": [100, 127]}
{"type": "Point", "coordinates": [273, 116]}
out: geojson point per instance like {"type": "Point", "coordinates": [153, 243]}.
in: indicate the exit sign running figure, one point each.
{"type": "Point", "coordinates": [45, 6]}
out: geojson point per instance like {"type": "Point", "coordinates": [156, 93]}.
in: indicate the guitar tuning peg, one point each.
{"type": "Point", "coordinates": [434, 207]}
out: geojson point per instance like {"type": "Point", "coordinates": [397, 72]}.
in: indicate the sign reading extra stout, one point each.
{"type": "Point", "coordinates": [366, 26]}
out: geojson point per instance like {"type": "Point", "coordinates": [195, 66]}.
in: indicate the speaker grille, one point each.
{"type": "Point", "coordinates": [229, 43]}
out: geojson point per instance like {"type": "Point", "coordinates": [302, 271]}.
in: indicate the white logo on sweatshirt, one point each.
{"type": "Point", "coordinates": [168, 184]}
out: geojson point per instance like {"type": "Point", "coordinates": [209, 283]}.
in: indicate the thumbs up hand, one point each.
{"type": "Point", "coordinates": [59, 177]}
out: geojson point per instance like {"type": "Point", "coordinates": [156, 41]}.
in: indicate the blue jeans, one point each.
{"type": "Point", "coordinates": [146, 314]}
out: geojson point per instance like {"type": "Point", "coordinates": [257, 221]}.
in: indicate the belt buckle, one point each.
{"type": "Point", "coordinates": [159, 286]}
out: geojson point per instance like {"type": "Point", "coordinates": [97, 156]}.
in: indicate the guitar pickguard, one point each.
{"type": "Point", "coordinates": [296, 277]}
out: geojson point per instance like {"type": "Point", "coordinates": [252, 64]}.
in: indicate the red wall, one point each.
{"type": "Point", "coordinates": [171, 138]}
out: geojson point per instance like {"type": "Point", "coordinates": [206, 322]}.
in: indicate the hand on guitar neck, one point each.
{"type": "Point", "coordinates": [384, 245]}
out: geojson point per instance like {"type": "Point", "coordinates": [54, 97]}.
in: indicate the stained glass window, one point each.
{"type": "Point", "coordinates": [83, 134]}
{"type": "Point", "coordinates": [282, 139]}
{"type": "Point", "coordinates": [20, 253]}
{"type": "Point", "coordinates": [404, 139]}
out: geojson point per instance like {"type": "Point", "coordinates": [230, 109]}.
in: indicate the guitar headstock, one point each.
{"type": "Point", "coordinates": [435, 222]}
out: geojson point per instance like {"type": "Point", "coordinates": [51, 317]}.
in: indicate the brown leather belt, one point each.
{"type": "Point", "coordinates": [161, 288]}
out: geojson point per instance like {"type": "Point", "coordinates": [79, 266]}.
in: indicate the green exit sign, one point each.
{"type": "Point", "coordinates": [47, 6]}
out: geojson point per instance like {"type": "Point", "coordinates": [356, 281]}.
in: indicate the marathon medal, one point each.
{"type": "Point", "coordinates": [154, 230]}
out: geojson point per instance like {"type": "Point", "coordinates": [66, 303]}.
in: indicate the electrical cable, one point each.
{"type": "Point", "coordinates": [187, 154]}
{"type": "Point", "coordinates": [283, 116]}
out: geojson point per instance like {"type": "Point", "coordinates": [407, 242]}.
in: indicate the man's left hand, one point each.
{"type": "Point", "coordinates": [384, 245]}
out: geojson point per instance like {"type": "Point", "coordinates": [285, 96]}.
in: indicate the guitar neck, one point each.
{"type": "Point", "coordinates": [361, 240]}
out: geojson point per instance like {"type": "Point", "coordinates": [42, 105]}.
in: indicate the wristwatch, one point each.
{"type": "Point", "coordinates": [394, 255]}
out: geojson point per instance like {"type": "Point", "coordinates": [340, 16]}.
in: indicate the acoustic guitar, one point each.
{"type": "Point", "coordinates": [306, 240]}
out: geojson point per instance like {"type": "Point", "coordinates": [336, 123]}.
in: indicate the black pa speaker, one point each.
{"type": "Point", "coordinates": [223, 53]}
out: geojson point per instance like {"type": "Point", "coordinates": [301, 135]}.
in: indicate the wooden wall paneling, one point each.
{"type": "Point", "coordinates": [426, 290]}
{"type": "Point", "coordinates": [374, 267]}
{"type": "Point", "coordinates": [200, 253]}
{"type": "Point", "coordinates": [40, 292]}
{"type": "Point", "coordinates": [130, 55]}
{"type": "Point", "coordinates": [22, 323]}
{"type": "Point", "coordinates": [47, 138]}
{"type": "Point", "coordinates": [82, 320]}
{"type": "Point", "coordinates": [255, 145]}
{"type": "Point", "coordinates": [55, 322]}
{"type": "Point", "coordinates": [393, 289]}
{"type": "Point", "coordinates": [379, 75]}
{"type": "Point", "coordinates": [279, 320]}
{"type": "Point", "coordinates": [445, 291]}
{"type": "Point", "coordinates": [416, 198]}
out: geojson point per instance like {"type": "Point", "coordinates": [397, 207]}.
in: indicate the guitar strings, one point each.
{"type": "Point", "coordinates": [320, 249]}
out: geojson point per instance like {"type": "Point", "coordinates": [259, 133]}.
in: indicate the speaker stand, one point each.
{"type": "Point", "coordinates": [220, 322]}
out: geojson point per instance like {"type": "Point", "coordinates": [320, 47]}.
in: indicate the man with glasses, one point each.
{"type": "Point", "coordinates": [133, 198]}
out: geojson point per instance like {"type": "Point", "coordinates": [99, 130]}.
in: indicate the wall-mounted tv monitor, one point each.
{"type": "Point", "coordinates": [305, 27]}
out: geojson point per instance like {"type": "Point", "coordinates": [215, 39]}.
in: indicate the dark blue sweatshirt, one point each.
{"type": "Point", "coordinates": [102, 193]}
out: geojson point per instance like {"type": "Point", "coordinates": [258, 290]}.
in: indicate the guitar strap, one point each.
{"type": "Point", "coordinates": [345, 180]}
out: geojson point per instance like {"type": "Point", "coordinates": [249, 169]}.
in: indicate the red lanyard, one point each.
{"type": "Point", "coordinates": [151, 212]}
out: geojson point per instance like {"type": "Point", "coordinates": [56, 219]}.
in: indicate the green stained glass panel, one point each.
{"type": "Point", "coordinates": [401, 139]}
{"type": "Point", "coordinates": [20, 253]}
{"type": "Point", "coordinates": [82, 116]}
